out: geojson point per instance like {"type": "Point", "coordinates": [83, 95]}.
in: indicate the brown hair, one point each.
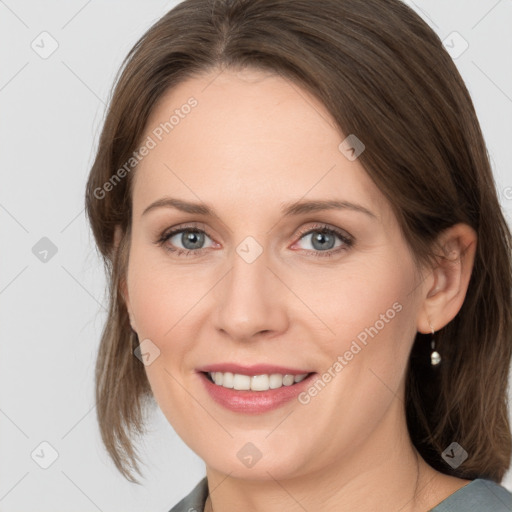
{"type": "Point", "coordinates": [383, 75]}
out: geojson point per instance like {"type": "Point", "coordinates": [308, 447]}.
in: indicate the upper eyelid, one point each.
{"type": "Point", "coordinates": [319, 226]}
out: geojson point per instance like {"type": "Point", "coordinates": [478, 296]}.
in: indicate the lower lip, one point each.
{"type": "Point", "coordinates": [254, 402]}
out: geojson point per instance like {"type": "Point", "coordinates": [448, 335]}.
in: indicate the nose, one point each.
{"type": "Point", "coordinates": [250, 300]}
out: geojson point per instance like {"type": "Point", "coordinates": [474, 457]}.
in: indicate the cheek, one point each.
{"type": "Point", "coordinates": [161, 295]}
{"type": "Point", "coordinates": [165, 302]}
{"type": "Point", "coordinates": [365, 302]}
{"type": "Point", "coordinates": [162, 303]}
{"type": "Point", "coordinates": [372, 314]}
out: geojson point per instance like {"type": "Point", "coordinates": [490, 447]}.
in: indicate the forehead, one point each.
{"type": "Point", "coordinates": [246, 136]}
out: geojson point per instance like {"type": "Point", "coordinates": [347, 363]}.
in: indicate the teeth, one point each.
{"type": "Point", "coordinates": [241, 382]}
{"type": "Point", "coordinates": [256, 382]}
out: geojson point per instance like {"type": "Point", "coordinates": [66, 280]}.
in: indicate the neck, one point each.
{"type": "Point", "coordinates": [385, 472]}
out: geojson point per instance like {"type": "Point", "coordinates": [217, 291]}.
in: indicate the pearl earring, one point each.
{"type": "Point", "coordinates": [435, 357]}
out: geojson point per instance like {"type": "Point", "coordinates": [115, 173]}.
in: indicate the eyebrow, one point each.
{"type": "Point", "coordinates": [287, 209]}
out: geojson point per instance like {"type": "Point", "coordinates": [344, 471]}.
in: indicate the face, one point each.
{"type": "Point", "coordinates": [328, 292]}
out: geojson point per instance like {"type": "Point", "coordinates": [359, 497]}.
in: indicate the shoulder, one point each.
{"type": "Point", "coordinates": [195, 500]}
{"type": "Point", "coordinates": [480, 495]}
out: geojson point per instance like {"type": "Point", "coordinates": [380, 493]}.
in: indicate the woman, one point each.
{"type": "Point", "coordinates": [310, 272]}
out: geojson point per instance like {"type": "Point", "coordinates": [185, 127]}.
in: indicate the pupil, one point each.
{"type": "Point", "coordinates": [321, 237]}
{"type": "Point", "coordinates": [192, 237]}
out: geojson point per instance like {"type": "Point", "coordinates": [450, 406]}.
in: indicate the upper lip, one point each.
{"type": "Point", "coordinates": [257, 369]}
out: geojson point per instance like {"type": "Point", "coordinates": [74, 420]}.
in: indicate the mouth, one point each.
{"type": "Point", "coordinates": [255, 393]}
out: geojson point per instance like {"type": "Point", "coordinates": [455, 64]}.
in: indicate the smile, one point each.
{"type": "Point", "coordinates": [263, 382]}
{"type": "Point", "coordinates": [254, 394]}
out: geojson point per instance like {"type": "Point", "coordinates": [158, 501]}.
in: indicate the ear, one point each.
{"type": "Point", "coordinates": [118, 235]}
{"type": "Point", "coordinates": [446, 285]}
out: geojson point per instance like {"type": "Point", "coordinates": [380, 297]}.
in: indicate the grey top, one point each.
{"type": "Point", "coordinates": [479, 495]}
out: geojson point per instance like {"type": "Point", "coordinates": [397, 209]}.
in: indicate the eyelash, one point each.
{"type": "Point", "coordinates": [347, 240]}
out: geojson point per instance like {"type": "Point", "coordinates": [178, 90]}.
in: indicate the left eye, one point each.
{"type": "Point", "coordinates": [322, 239]}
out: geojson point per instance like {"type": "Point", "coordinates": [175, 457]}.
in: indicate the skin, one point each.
{"type": "Point", "coordinates": [253, 142]}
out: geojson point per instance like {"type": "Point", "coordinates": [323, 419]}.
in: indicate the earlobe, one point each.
{"type": "Point", "coordinates": [445, 289]}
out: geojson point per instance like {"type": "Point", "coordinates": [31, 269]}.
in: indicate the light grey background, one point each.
{"type": "Point", "coordinates": [51, 314]}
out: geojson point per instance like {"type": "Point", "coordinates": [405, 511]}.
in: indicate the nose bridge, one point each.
{"type": "Point", "coordinates": [250, 301]}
